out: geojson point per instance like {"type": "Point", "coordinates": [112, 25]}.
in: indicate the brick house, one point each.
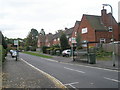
{"type": "Point", "coordinates": [75, 32]}
{"type": "Point", "coordinates": [119, 30]}
{"type": "Point", "coordinates": [48, 39]}
{"type": "Point", "coordinates": [68, 33]}
{"type": "Point", "coordinates": [92, 28]}
{"type": "Point", "coordinates": [97, 28]}
{"type": "Point", "coordinates": [56, 37]}
{"type": "Point", "coordinates": [41, 40]}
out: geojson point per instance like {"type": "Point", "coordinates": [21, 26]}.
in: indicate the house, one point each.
{"type": "Point", "coordinates": [119, 30]}
{"type": "Point", "coordinates": [75, 32]}
{"type": "Point", "coordinates": [48, 39]}
{"type": "Point", "coordinates": [41, 38]}
{"type": "Point", "coordinates": [68, 33]}
{"type": "Point", "coordinates": [56, 37]}
{"type": "Point", "coordinates": [98, 28]}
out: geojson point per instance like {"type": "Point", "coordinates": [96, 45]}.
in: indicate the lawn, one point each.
{"type": "Point", "coordinates": [37, 54]}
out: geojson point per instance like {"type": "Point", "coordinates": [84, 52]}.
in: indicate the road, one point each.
{"type": "Point", "coordinates": [74, 76]}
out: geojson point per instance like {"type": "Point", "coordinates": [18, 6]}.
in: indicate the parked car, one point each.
{"type": "Point", "coordinates": [14, 53]}
{"type": "Point", "coordinates": [66, 52]}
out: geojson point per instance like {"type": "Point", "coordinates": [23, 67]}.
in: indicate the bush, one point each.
{"type": "Point", "coordinates": [33, 48]}
{"type": "Point", "coordinates": [101, 53]}
{"type": "Point", "coordinates": [27, 48]}
{"type": "Point", "coordinates": [44, 49]}
{"type": "Point", "coordinates": [3, 53]}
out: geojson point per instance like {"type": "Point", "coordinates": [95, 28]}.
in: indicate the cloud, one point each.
{"type": "Point", "coordinates": [20, 16]}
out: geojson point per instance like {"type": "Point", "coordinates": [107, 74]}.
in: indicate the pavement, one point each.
{"type": "Point", "coordinates": [17, 74]}
{"type": "Point", "coordinates": [107, 64]}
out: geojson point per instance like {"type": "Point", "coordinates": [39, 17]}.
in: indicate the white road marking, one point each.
{"type": "Point", "coordinates": [50, 60]}
{"type": "Point", "coordinates": [56, 81]}
{"type": "Point", "coordinates": [112, 79]}
{"type": "Point", "coordinates": [70, 84]}
{"type": "Point", "coordinates": [82, 65]}
{"type": "Point", "coordinates": [74, 70]}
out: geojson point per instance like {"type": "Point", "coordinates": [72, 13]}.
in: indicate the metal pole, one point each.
{"type": "Point", "coordinates": [72, 52]}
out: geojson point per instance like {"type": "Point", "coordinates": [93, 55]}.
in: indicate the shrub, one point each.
{"type": "Point", "coordinates": [33, 48]}
{"type": "Point", "coordinates": [44, 49]}
{"type": "Point", "coordinates": [27, 48]}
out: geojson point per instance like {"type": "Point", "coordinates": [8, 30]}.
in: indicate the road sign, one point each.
{"type": "Point", "coordinates": [15, 42]}
{"type": "Point", "coordinates": [74, 40]}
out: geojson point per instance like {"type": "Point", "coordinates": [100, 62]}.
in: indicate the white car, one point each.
{"type": "Point", "coordinates": [66, 52]}
{"type": "Point", "coordinates": [14, 54]}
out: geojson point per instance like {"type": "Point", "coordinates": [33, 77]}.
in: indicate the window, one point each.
{"type": "Point", "coordinates": [67, 36]}
{"type": "Point", "coordinates": [69, 39]}
{"type": "Point", "coordinates": [58, 39]}
{"type": "Point", "coordinates": [102, 40]}
{"type": "Point", "coordinates": [110, 29]}
{"type": "Point", "coordinates": [54, 39]}
{"type": "Point", "coordinates": [84, 30]}
{"type": "Point", "coordinates": [75, 33]}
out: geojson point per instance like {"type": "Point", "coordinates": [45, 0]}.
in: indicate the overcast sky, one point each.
{"type": "Point", "coordinates": [18, 17]}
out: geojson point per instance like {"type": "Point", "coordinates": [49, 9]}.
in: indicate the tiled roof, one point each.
{"type": "Point", "coordinates": [49, 37]}
{"type": "Point", "coordinates": [57, 35]}
{"type": "Point", "coordinates": [96, 22]}
{"type": "Point", "coordinates": [69, 31]}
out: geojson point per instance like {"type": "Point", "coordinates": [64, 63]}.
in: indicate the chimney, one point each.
{"type": "Point", "coordinates": [104, 16]}
{"type": "Point", "coordinates": [66, 28]}
{"type": "Point", "coordinates": [103, 12]}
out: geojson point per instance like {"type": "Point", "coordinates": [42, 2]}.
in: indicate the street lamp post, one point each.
{"type": "Point", "coordinates": [113, 53]}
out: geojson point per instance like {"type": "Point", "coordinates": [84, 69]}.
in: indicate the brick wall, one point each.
{"type": "Point", "coordinates": [90, 35]}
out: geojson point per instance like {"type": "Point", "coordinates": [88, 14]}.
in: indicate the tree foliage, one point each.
{"type": "Point", "coordinates": [64, 42]}
{"type": "Point", "coordinates": [32, 38]}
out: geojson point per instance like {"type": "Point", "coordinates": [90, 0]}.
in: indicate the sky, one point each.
{"type": "Point", "coordinates": [18, 17]}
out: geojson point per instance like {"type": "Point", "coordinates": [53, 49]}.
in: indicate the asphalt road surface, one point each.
{"type": "Point", "coordinates": [75, 76]}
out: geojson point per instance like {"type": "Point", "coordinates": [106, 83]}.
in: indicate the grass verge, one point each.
{"type": "Point", "coordinates": [104, 58]}
{"type": "Point", "coordinates": [37, 54]}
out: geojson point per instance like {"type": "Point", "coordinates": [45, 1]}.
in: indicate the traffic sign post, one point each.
{"type": "Point", "coordinates": [16, 42]}
{"type": "Point", "coordinates": [73, 42]}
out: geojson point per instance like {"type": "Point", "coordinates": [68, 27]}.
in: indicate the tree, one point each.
{"type": "Point", "coordinates": [78, 40]}
{"type": "Point", "coordinates": [64, 42]}
{"type": "Point", "coordinates": [31, 40]}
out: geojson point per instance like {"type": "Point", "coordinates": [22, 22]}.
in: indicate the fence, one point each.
{"type": "Point", "coordinates": [109, 48]}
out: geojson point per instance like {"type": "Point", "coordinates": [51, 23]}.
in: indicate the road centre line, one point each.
{"type": "Point", "coordinates": [112, 79]}
{"type": "Point", "coordinates": [55, 81]}
{"type": "Point", "coordinates": [74, 70]}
